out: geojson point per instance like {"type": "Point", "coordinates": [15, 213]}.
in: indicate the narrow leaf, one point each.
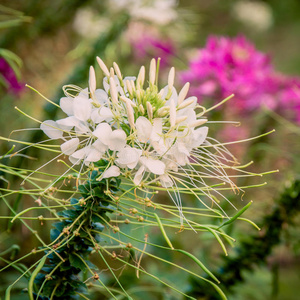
{"type": "Point", "coordinates": [236, 215]}
{"type": "Point", "coordinates": [163, 231]}
{"type": "Point", "coordinates": [199, 263]}
{"type": "Point", "coordinates": [34, 274]}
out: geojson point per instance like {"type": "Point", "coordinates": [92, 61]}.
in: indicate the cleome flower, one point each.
{"type": "Point", "coordinates": [154, 137]}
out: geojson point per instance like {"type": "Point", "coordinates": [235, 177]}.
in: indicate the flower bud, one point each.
{"type": "Point", "coordinates": [113, 90]}
{"type": "Point", "coordinates": [198, 123]}
{"type": "Point", "coordinates": [92, 80]}
{"type": "Point", "coordinates": [183, 93]}
{"type": "Point", "coordinates": [103, 67]}
{"type": "Point", "coordinates": [171, 78]}
{"type": "Point", "coordinates": [129, 87]}
{"type": "Point", "coordinates": [141, 109]}
{"type": "Point", "coordinates": [187, 102]}
{"type": "Point", "coordinates": [149, 110]}
{"type": "Point", "coordinates": [180, 119]}
{"type": "Point", "coordinates": [117, 70]}
{"type": "Point", "coordinates": [141, 77]}
{"type": "Point", "coordinates": [152, 71]}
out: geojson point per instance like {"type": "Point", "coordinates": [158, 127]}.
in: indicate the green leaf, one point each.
{"type": "Point", "coordinates": [77, 262]}
{"type": "Point", "coordinates": [54, 234]}
{"type": "Point", "coordinates": [98, 226]}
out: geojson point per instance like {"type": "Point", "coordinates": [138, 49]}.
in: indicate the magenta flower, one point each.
{"type": "Point", "coordinates": [228, 66]}
{"type": "Point", "coordinates": [147, 42]}
{"type": "Point", "coordinates": [9, 77]}
{"type": "Point", "coordinates": [289, 97]}
{"type": "Point", "coordinates": [232, 66]}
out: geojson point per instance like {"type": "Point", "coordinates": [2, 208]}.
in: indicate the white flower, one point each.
{"type": "Point", "coordinates": [149, 136]}
{"type": "Point", "coordinates": [160, 12]}
{"type": "Point", "coordinates": [256, 15]}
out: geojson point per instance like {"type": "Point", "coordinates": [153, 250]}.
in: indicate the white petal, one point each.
{"type": "Point", "coordinates": [67, 123]}
{"type": "Point", "coordinates": [74, 161]}
{"type": "Point", "coordinates": [166, 181]}
{"type": "Point", "coordinates": [199, 136]}
{"type": "Point", "coordinates": [153, 165]}
{"type": "Point", "coordinates": [51, 129]}
{"type": "Point", "coordinates": [103, 133]}
{"type": "Point", "coordinates": [144, 129]}
{"type": "Point", "coordinates": [164, 92]}
{"type": "Point", "coordinates": [172, 113]}
{"type": "Point", "coordinates": [99, 115]}
{"type": "Point", "coordinates": [70, 146]}
{"type": "Point", "coordinates": [84, 93]}
{"type": "Point", "coordinates": [99, 146]}
{"type": "Point", "coordinates": [66, 104]}
{"type": "Point", "coordinates": [95, 116]}
{"type": "Point", "coordinates": [128, 157]}
{"type": "Point", "coordinates": [82, 108]}
{"type": "Point", "coordinates": [106, 84]}
{"type": "Point", "coordinates": [139, 175]}
{"type": "Point", "coordinates": [117, 140]}
{"type": "Point", "coordinates": [159, 146]}
{"type": "Point", "coordinates": [181, 159]}
{"type": "Point", "coordinates": [112, 171]}
{"type": "Point", "coordinates": [129, 78]}
{"type": "Point", "coordinates": [82, 127]}
{"type": "Point", "coordinates": [182, 148]}
{"type": "Point", "coordinates": [156, 130]}
{"type": "Point", "coordinates": [171, 165]}
{"type": "Point", "coordinates": [81, 153]}
{"type": "Point", "coordinates": [106, 114]}
{"type": "Point", "coordinates": [101, 96]}
{"type": "Point", "coordinates": [93, 155]}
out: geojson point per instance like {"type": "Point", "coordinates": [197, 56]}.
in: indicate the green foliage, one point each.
{"type": "Point", "coordinates": [74, 239]}
{"type": "Point", "coordinates": [255, 249]}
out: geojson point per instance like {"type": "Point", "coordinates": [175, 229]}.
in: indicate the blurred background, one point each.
{"type": "Point", "coordinates": [249, 48]}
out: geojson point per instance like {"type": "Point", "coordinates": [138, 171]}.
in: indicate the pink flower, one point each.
{"type": "Point", "coordinates": [147, 42]}
{"type": "Point", "coordinates": [231, 66]}
{"type": "Point", "coordinates": [10, 79]}
{"type": "Point", "coordinates": [228, 66]}
{"type": "Point", "coordinates": [290, 98]}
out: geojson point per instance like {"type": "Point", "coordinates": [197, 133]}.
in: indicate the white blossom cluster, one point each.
{"type": "Point", "coordinates": [143, 133]}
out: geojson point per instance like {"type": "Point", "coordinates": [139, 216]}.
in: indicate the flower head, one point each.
{"type": "Point", "coordinates": [153, 137]}
{"type": "Point", "coordinates": [225, 66]}
{"type": "Point", "coordinates": [233, 66]}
